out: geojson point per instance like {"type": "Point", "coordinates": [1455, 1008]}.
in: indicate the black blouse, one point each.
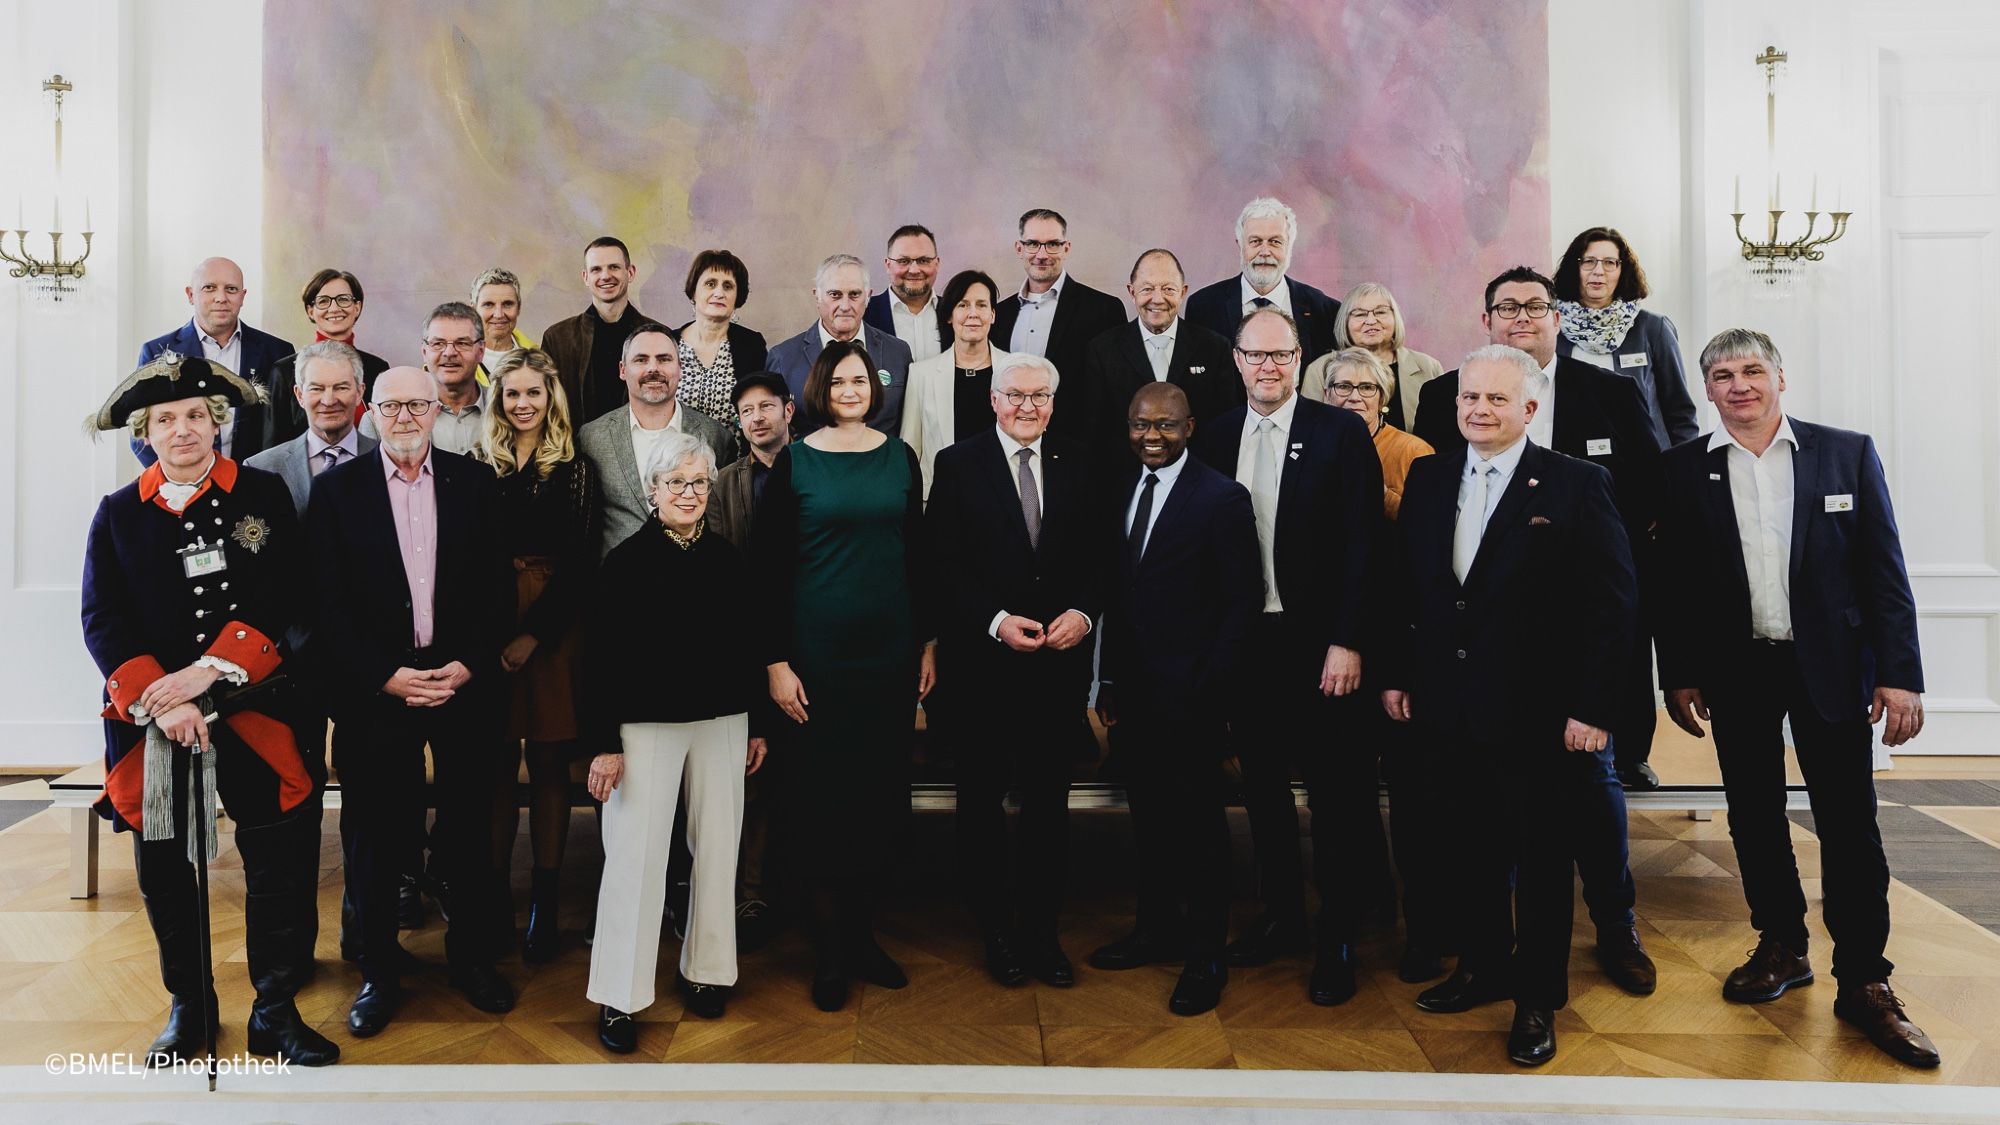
{"type": "Point", "coordinates": [556, 519]}
{"type": "Point", "coordinates": [971, 406]}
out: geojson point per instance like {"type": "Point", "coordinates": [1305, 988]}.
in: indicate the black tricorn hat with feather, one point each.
{"type": "Point", "coordinates": [170, 378]}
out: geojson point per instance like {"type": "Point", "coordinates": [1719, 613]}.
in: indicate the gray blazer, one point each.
{"type": "Point", "coordinates": [607, 443]}
{"type": "Point", "coordinates": [289, 462]}
{"type": "Point", "coordinates": [793, 359]}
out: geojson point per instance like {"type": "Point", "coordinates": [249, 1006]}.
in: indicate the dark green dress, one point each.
{"type": "Point", "coordinates": [835, 545]}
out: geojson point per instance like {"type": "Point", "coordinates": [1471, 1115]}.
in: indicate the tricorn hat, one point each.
{"type": "Point", "coordinates": [170, 378]}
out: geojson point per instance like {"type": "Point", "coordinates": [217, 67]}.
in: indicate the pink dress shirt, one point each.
{"type": "Point", "coordinates": [413, 504]}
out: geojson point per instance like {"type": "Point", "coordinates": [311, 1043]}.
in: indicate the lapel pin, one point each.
{"type": "Point", "coordinates": [1295, 455]}
{"type": "Point", "coordinates": [1196, 370]}
{"type": "Point", "coordinates": [1533, 483]}
{"type": "Point", "coordinates": [1715, 476]}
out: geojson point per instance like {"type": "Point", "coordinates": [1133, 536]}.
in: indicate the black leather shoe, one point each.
{"type": "Point", "coordinates": [754, 924]}
{"type": "Point", "coordinates": [1050, 965]}
{"type": "Point", "coordinates": [1463, 991]}
{"type": "Point", "coordinates": [1332, 976]}
{"type": "Point", "coordinates": [875, 966]}
{"type": "Point", "coordinates": [617, 1030]}
{"type": "Point", "coordinates": [704, 1000]}
{"type": "Point", "coordinates": [1268, 940]}
{"type": "Point", "coordinates": [1638, 776]}
{"type": "Point", "coordinates": [541, 943]}
{"type": "Point", "coordinates": [1771, 970]}
{"type": "Point", "coordinates": [181, 1039]}
{"type": "Point", "coordinates": [1003, 961]}
{"type": "Point", "coordinates": [1136, 950]}
{"type": "Point", "coordinates": [829, 985]}
{"type": "Point", "coordinates": [1874, 1008]}
{"type": "Point", "coordinates": [484, 988]}
{"type": "Point", "coordinates": [279, 1032]}
{"type": "Point", "coordinates": [1532, 1039]}
{"type": "Point", "coordinates": [373, 1007]}
{"type": "Point", "coordinates": [1199, 989]}
{"type": "Point", "coordinates": [409, 904]}
{"type": "Point", "coordinates": [1419, 964]}
{"type": "Point", "coordinates": [1625, 961]}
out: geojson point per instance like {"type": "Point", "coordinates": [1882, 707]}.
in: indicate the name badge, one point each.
{"type": "Point", "coordinates": [199, 559]}
{"type": "Point", "coordinates": [1597, 447]}
{"type": "Point", "coordinates": [1841, 503]}
{"type": "Point", "coordinates": [1639, 360]}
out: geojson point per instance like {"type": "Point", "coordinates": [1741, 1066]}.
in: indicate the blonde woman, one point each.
{"type": "Point", "coordinates": [1357, 380]}
{"type": "Point", "coordinates": [550, 530]}
{"type": "Point", "coordinates": [1370, 318]}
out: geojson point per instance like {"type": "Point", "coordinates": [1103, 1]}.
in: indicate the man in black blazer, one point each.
{"type": "Point", "coordinates": [1154, 347]}
{"type": "Point", "coordinates": [1054, 315]}
{"type": "Point", "coordinates": [1011, 519]}
{"type": "Point", "coordinates": [1177, 620]}
{"type": "Point", "coordinates": [217, 333]}
{"type": "Point", "coordinates": [1316, 487]}
{"type": "Point", "coordinates": [1515, 599]}
{"type": "Point", "coordinates": [907, 309]}
{"type": "Point", "coordinates": [1266, 233]}
{"type": "Point", "coordinates": [1790, 599]}
{"type": "Point", "coordinates": [415, 602]}
{"type": "Point", "coordinates": [1586, 412]}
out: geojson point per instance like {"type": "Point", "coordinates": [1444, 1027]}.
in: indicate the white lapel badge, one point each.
{"type": "Point", "coordinates": [1196, 370]}
{"type": "Point", "coordinates": [1715, 476]}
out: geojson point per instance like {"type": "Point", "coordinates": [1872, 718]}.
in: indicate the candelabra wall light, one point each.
{"type": "Point", "coordinates": [1776, 260]}
{"type": "Point", "coordinates": [53, 277]}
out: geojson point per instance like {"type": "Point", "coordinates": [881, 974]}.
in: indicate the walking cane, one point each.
{"type": "Point", "coordinates": [200, 830]}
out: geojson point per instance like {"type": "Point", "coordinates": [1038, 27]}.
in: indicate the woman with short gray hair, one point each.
{"type": "Point", "coordinates": [683, 713]}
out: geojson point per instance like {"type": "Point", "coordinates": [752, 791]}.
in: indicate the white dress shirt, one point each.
{"type": "Point", "coordinates": [1038, 315]}
{"type": "Point", "coordinates": [1160, 355]}
{"type": "Point", "coordinates": [229, 355]}
{"type": "Point", "coordinates": [645, 441]}
{"type": "Point", "coordinates": [1246, 475]}
{"type": "Point", "coordinates": [1760, 489]}
{"type": "Point", "coordinates": [918, 329]}
{"type": "Point", "coordinates": [1542, 427]}
{"type": "Point", "coordinates": [1504, 463]}
{"type": "Point", "coordinates": [1280, 295]}
{"type": "Point", "coordinates": [1168, 475]}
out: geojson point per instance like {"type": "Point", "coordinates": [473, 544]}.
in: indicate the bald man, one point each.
{"type": "Point", "coordinates": [216, 332]}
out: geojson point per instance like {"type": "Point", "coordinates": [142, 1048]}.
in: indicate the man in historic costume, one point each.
{"type": "Point", "coordinates": [187, 596]}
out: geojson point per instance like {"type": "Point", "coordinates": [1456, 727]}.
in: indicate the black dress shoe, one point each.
{"type": "Point", "coordinates": [484, 988]}
{"type": "Point", "coordinates": [1003, 961]}
{"type": "Point", "coordinates": [1771, 969]}
{"type": "Point", "coordinates": [373, 1007]}
{"type": "Point", "coordinates": [1050, 965]}
{"type": "Point", "coordinates": [1268, 940]}
{"type": "Point", "coordinates": [1638, 776]}
{"type": "Point", "coordinates": [829, 985]}
{"type": "Point", "coordinates": [704, 1000]}
{"type": "Point", "coordinates": [1874, 1008]}
{"type": "Point", "coordinates": [1136, 950]}
{"type": "Point", "coordinates": [1199, 989]}
{"type": "Point", "coordinates": [754, 924]}
{"type": "Point", "coordinates": [409, 904]}
{"type": "Point", "coordinates": [1419, 964]}
{"type": "Point", "coordinates": [876, 967]}
{"type": "Point", "coordinates": [1332, 976]}
{"type": "Point", "coordinates": [279, 1032]}
{"type": "Point", "coordinates": [1625, 961]}
{"type": "Point", "coordinates": [617, 1030]}
{"type": "Point", "coordinates": [182, 1038]}
{"type": "Point", "coordinates": [1463, 991]}
{"type": "Point", "coordinates": [1532, 1039]}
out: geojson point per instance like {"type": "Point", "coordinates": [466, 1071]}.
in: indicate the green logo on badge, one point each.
{"type": "Point", "coordinates": [882, 375]}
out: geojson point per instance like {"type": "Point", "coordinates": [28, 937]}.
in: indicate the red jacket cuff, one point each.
{"type": "Point", "coordinates": [127, 682]}
{"type": "Point", "coordinates": [246, 648]}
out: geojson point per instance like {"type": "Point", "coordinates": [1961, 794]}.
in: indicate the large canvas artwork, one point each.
{"type": "Point", "coordinates": [418, 144]}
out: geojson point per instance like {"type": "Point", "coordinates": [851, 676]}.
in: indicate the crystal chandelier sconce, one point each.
{"type": "Point", "coordinates": [53, 276]}
{"type": "Point", "coordinates": [1774, 259]}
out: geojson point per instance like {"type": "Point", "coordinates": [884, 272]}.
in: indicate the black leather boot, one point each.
{"type": "Point", "coordinates": [541, 944]}
{"type": "Point", "coordinates": [167, 888]}
{"type": "Point", "coordinates": [279, 911]}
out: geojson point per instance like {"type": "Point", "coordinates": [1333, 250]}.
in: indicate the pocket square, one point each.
{"type": "Point", "coordinates": [1538, 521]}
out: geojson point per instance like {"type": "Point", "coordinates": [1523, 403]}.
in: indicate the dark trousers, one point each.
{"type": "Point", "coordinates": [379, 751]}
{"type": "Point", "coordinates": [1173, 783]}
{"type": "Point", "coordinates": [1417, 828]}
{"type": "Point", "coordinates": [1837, 760]}
{"type": "Point", "coordinates": [1023, 745]}
{"type": "Point", "coordinates": [1519, 811]}
{"type": "Point", "coordinates": [1638, 709]}
{"type": "Point", "coordinates": [1289, 729]}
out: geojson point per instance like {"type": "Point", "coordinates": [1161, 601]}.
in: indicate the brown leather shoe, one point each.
{"type": "Point", "coordinates": [1875, 1010]}
{"type": "Point", "coordinates": [1624, 960]}
{"type": "Point", "coordinates": [1771, 970]}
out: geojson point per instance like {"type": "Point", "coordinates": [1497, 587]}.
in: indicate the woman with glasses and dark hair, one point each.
{"type": "Point", "coordinates": [1599, 285]}
{"type": "Point", "coordinates": [835, 553]}
{"type": "Point", "coordinates": [332, 300]}
{"type": "Point", "coordinates": [946, 398]}
{"type": "Point", "coordinates": [714, 349]}
{"type": "Point", "coordinates": [1371, 319]}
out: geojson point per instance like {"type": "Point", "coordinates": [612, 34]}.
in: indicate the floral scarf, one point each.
{"type": "Point", "coordinates": [1598, 331]}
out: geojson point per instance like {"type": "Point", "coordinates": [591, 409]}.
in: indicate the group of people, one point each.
{"type": "Point", "coordinates": [1251, 521]}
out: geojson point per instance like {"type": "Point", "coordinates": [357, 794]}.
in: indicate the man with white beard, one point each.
{"type": "Point", "coordinates": [1267, 232]}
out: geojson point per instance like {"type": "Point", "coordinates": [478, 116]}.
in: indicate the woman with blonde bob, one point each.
{"type": "Point", "coordinates": [1371, 319]}
{"type": "Point", "coordinates": [549, 498]}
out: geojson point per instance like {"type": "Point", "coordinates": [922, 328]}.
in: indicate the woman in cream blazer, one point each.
{"type": "Point", "coordinates": [930, 400]}
{"type": "Point", "coordinates": [1370, 318]}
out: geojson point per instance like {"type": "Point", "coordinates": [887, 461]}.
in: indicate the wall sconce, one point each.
{"type": "Point", "coordinates": [53, 275]}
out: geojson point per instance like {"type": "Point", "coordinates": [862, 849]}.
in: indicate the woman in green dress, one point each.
{"type": "Point", "coordinates": [835, 546]}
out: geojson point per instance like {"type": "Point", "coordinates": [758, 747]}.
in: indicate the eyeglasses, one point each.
{"type": "Point", "coordinates": [1605, 264]}
{"type": "Point", "coordinates": [906, 263]}
{"type": "Point", "coordinates": [462, 344]}
{"type": "Point", "coordinates": [1383, 314]}
{"type": "Point", "coordinates": [676, 486]}
{"type": "Point", "coordinates": [1256, 359]}
{"type": "Point", "coordinates": [1049, 247]}
{"type": "Point", "coordinates": [1508, 310]}
{"type": "Point", "coordinates": [344, 301]}
{"type": "Point", "coordinates": [1039, 398]}
{"type": "Point", "coordinates": [1363, 390]}
{"type": "Point", "coordinates": [1140, 427]}
{"type": "Point", "coordinates": [418, 407]}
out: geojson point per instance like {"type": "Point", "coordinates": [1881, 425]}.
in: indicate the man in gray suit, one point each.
{"type": "Point", "coordinates": [619, 443]}
{"type": "Point", "coordinates": [840, 288]}
{"type": "Point", "coordinates": [329, 388]}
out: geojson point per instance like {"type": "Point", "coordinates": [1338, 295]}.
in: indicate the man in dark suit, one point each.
{"type": "Point", "coordinates": [332, 384]}
{"type": "Point", "coordinates": [587, 347]}
{"type": "Point", "coordinates": [217, 333]}
{"type": "Point", "coordinates": [1316, 487]}
{"type": "Point", "coordinates": [1791, 600]}
{"type": "Point", "coordinates": [908, 309]}
{"type": "Point", "coordinates": [1011, 518]}
{"type": "Point", "coordinates": [1054, 315]}
{"type": "Point", "coordinates": [1586, 412]}
{"type": "Point", "coordinates": [1177, 621]}
{"type": "Point", "coordinates": [415, 602]}
{"type": "Point", "coordinates": [1156, 346]}
{"type": "Point", "coordinates": [840, 290]}
{"type": "Point", "coordinates": [1267, 232]}
{"type": "Point", "coordinates": [1515, 598]}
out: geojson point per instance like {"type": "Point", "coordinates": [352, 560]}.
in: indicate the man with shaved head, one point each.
{"type": "Point", "coordinates": [415, 602]}
{"type": "Point", "coordinates": [216, 332]}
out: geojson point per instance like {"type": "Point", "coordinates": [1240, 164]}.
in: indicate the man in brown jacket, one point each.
{"type": "Point", "coordinates": [587, 346]}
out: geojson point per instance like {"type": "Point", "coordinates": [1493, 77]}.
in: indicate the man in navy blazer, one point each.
{"type": "Point", "coordinates": [1054, 315]}
{"type": "Point", "coordinates": [1514, 601]}
{"type": "Point", "coordinates": [1266, 233]}
{"type": "Point", "coordinates": [1315, 486]}
{"type": "Point", "coordinates": [840, 289]}
{"type": "Point", "coordinates": [217, 333]}
{"type": "Point", "coordinates": [1791, 601]}
{"type": "Point", "coordinates": [1184, 592]}
{"type": "Point", "coordinates": [908, 309]}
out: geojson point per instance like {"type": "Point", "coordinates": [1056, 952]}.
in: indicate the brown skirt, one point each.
{"type": "Point", "coordinates": [544, 691]}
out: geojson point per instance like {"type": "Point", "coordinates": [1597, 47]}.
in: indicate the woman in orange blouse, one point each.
{"type": "Point", "coordinates": [1357, 381]}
